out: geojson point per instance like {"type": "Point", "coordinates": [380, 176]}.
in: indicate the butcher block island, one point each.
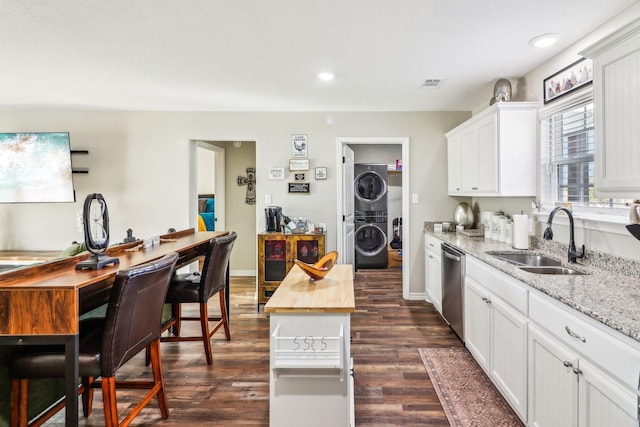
{"type": "Point", "coordinates": [311, 377]}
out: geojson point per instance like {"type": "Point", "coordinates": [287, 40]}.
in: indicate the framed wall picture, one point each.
{"type": "Point", "coordinates": [299, 164]}
{"type": "Point", "coordinates": [299, 187]}
{"type": "Point", "coordinates": [299, 176]}
{"type": "Point", "coordinates": [321, 173]}
{"type": "Point", "coordinates": [577, 75]}
{"type": "Point", "coordinates": [299, 144]}
{"type": "Point", "coordinates": [276, 173]}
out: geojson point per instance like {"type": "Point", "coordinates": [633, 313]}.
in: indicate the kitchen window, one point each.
{"type": "Point", "coordinates": [568, 159]}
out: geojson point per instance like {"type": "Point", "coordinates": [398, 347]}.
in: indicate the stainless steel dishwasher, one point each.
{"type": "Point", "coordinates": [453, 288]}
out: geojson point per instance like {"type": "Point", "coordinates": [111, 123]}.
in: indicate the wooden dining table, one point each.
{"type": "Point", "coordinates": [41, 304]}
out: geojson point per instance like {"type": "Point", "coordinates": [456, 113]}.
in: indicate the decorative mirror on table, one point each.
{"type": "Point", "coordinates": [95, 217]}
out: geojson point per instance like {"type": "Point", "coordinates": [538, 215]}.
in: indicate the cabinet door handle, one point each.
{"type": "Point", "coordinates": [487, 300]}
{"type": "Point", "coordinates": [577, 371]}
{"type": "Point", "coordinates": [567, 364]}
{"type": "Point", "coordinates": [574, 335]}
{"type": "Point", "coordinates": [431, 256]}
{"type": "Point", "coordinates": [474, 188]}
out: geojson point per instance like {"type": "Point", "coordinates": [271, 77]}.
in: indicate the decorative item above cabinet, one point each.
{"type": "Point", "coordinates": [616, 103]}
{"type": "Point", "coordinates": [494, 152]}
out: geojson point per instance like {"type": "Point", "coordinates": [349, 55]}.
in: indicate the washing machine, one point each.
{"type": "Point", "coordinates": [371, 239]}
{"type": "Point", "coordinates": [370, 187]}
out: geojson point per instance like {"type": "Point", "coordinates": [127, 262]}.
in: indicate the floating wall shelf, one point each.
{"type": "Point", "coordinates": [79, 170]}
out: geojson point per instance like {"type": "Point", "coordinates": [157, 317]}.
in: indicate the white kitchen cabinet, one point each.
{"type": "Point", "coordinates": [616, 95]}
{"type": "Point", "coordinates": [494, 152]}
{"type": "Point", "coordinates": [477, 322]}
{"type": "Point", "coordinates": [567, 390]}
{"type": "Point", "coordinates": [496, 335]}
{"type": "Point", "coordinates": [579, 373]}
{"type": "Point", "coordinates": [433, 271]}
{"type": "Point", "coordinates": [553, 387]}
{"type": "Point", "coordinates": [453, 163]}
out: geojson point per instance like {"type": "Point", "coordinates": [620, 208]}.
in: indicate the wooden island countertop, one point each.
{"type": "Point", "coordinates": [298, 294]}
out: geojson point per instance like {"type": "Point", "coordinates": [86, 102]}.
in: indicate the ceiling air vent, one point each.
{"type": "Point", "coordinates": [431, 84]}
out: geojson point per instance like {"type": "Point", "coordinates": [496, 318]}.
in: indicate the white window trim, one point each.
{"type": "Point", "coordinates": [590, 218]}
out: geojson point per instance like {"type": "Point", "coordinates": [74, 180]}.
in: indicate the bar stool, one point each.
{"type": "Point", "coordinates": [199, 288]}
{"type": "Point", "coordinates": [132, 323]}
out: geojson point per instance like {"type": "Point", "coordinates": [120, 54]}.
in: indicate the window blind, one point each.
{"type": "Point", "coordinates": [568, 153]}
{"type": "Point", "coordinates": [570, 150]}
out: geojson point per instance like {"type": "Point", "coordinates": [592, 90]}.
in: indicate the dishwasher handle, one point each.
{"type": "Point", "coordinates": [451, 252]}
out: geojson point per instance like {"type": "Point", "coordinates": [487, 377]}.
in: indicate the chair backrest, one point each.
{"type": "Point", "coordinates": [134, 313]}
{"type": "Point", "coordinates": [214, 270]}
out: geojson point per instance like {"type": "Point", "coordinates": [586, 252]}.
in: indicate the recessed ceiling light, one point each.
{"type": "Point", "coordinates": [326, 77]}
{"type": "Point", "coordinates": [544, 40]}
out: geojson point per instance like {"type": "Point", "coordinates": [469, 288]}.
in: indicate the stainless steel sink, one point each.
{"type": "Point", "coordinates": [552, 270]}
{"type": "Point", "coordinates": [535, 263]}
{"type": "Point", "coordinates": [526, 259]}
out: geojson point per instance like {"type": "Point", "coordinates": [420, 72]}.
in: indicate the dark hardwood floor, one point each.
{"type": "Point", "coordinates": [392, 386]}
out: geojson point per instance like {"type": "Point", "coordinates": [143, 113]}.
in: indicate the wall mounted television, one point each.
{"type": "Point", "coordinates": [35, 167]}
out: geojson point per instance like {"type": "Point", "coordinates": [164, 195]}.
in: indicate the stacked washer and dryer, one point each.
{"type": "Point", "coordinates": [370, 219]}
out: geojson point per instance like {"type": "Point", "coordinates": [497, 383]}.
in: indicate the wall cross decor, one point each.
{"type": "Point", "coordinates": [250, 182]}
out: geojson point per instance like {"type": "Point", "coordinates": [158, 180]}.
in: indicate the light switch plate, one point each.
{"type": "Point", "coordinates": [267, 198]}
{"type": "Point", "coordinates": [415, 198]}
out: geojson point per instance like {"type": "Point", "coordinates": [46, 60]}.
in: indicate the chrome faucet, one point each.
{"type": "Point", "coordinates": [548, 234]}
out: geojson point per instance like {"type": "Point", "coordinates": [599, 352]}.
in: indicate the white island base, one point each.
{"type": "Point", "coordinates": [311, 381]}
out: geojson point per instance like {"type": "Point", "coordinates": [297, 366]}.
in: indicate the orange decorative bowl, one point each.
{"type": "Point", "coordinates": [320, 269]}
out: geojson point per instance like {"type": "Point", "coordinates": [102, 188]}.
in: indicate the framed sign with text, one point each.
{"type": "Point", "coordinates": [299, 187]}
{"type": "Point", "coordinates": [299, 144]}
{"type": "Point", "coordinates": [299, 164]}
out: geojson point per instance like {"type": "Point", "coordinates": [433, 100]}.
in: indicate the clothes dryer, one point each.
{"type": "Point", "coordinates": [370, 187]}
{"type": "Point", "coordinates": [371, 239]}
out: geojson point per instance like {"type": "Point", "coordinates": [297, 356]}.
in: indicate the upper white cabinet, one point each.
{"type": "Point", "coordinates": [494, 152]}
{"type": "Point", "coordinates": [616, 86]}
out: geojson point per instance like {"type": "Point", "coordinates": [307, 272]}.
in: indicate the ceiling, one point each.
{"type": "Point", "coordinates": [263, 55]}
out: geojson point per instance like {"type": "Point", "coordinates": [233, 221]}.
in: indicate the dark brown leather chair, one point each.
{"type": "Point", "coordinates": [132, 323]}
{"type": "Point", "coordinates": [199, 288]}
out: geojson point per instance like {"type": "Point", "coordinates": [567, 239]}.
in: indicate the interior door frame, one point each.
{"type": "Point", "coordinates": [220, 175]}
{"type": "Point", "coordinates": [406, 240]}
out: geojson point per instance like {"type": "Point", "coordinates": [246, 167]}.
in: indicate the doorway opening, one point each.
{"type": "Point", "coordinates": [207, 186]}
{"type": "Point", "coordinates": [347, 156]}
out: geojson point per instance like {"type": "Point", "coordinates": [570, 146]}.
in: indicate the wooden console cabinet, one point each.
{"type": "Point", "coordinates": [276, 252]}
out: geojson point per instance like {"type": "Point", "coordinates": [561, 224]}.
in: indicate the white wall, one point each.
{"type": "Point", "coordinates": [613, 239]}
{"type": "Point", "coordinates": [139, 162]}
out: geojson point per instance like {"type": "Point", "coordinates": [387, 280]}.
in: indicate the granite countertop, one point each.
{"type": "Point", "coordinates": [608, 293]}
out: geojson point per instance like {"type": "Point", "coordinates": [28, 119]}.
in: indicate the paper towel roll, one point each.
{"type": "Point", "coordinates": [521, 232]}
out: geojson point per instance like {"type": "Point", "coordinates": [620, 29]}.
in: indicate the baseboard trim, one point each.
{"type": "Point", "coordinates": [243, 273]}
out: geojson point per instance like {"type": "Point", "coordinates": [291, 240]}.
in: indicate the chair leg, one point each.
{"type": "Point", "coordinates": [224, 318]}
{"type": "Point", "coordinates": [87, 396]}
{"type": "Point", "coordinates": [204, 326]}
{"type": "Point", "coordinates": [109, 401]}
{"type": "Point", "coordinates": [19, 402]}
{"type": "Point", "coordinates": [158, 378]}
{"type": "Point", "coordinates": [176, 312]}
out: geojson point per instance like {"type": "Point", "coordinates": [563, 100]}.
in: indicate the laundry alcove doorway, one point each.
{"type": "Point", "coordinates": [354, 146]}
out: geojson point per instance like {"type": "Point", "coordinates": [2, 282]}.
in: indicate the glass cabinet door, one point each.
{"type": "Point", "coordinates": [275, 260]}
{"type": "Point", "coordinates": [307, 251]}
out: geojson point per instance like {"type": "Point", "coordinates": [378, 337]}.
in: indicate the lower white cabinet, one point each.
{"type": "Point", "coordinates": [567, 390]}
{"type": "Point", "coordinates": [433, 271]}
{"type": "Point", "coordinates": [555, 366]}
{"type": "Point", "coordinates": [496, 335]}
